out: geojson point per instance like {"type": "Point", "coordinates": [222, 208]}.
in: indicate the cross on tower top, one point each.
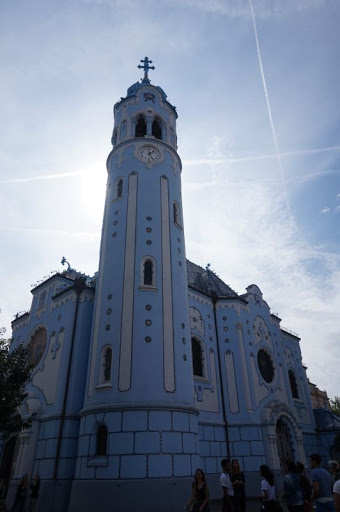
{"type": "Point", "coordinates": [146, 68]}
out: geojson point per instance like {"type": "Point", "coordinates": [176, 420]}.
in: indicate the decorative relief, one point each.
{"type": "Point", "coordinates": [261, 332]}
{"type": "Point", "coordinates": [289, 358]}
{"type": "Point", "coordinates": [197, 298]}
{"type": "Point", "coordinates": [236, 306]}
{"type": "Point", "coordinates": [37, 345]}
{"type": "Point", "coordinates": [232, 385]}
{"type": "Point", "coordinates": [196, 320]}
{"type": "Point", "coordinates": [55, 346]}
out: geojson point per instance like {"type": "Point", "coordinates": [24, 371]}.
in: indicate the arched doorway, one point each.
{"type": "Point", "coordinates": [6, 465]}
{"type": "Point", "coordinates": [284, 443]}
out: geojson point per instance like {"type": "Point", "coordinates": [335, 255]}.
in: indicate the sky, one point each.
{"type": "Point", "coordinates": [256, 85]}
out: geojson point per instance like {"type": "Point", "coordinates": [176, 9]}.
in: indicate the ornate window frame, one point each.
{"type": "Point", "coordinates": [153, 285]}
{"type": "Point", "coordinates": [103, 380]}
{"type": "Point", "coordinates": [203, 359]}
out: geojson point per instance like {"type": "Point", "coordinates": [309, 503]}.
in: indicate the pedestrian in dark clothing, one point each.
{"type": "Point", "coordinates": [20, 495]}
{"type": "Point", "coordinates": [293, 492]}
{"type": "Point", "coordinates": [34, 493]}
{"type": "Point", "coordinates": [306, 488]}
{"type": "Point", "coordinates": [238, 481]}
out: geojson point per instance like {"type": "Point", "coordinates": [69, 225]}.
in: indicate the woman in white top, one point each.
{"type": "Point", "coordinates": [268, 495]}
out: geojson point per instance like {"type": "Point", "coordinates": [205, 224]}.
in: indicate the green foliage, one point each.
{"type": "Point", "coordinates": [335, 405]}
{"type": "Point", "coordinates": [15, 372]}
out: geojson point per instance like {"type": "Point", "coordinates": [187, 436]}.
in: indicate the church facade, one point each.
{"type": "Point", "coordinates": [154, 367]}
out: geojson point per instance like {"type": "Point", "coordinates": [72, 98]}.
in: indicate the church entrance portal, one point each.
{"type": "Point", "coordinates": [284, 446]}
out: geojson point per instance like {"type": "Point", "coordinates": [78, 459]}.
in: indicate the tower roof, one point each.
{"type": "Point", "coordinates": [145, 82]}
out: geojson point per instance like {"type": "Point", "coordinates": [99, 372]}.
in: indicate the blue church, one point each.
{"type": "Point", "coordinates": [154, 366]}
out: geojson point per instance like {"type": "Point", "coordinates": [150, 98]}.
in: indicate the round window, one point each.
{"type": "Point", "coordinates": [265, 364]}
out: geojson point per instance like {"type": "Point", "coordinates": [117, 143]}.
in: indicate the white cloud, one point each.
{"type": "Point", "coordinates": [324, 210]}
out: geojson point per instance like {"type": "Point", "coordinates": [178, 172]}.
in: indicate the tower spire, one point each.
{"type": "Point", "coordinates": [146, 68]}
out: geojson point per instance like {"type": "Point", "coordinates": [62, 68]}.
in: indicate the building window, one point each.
{"type": "Point", "coordinates": [107, 364]}
{"type": "Point", "coordinates": [123, 130]}
{"type": "Point", "coordinates": [156, 129]}
{"type": "Point", "coordinates": [197, 358]}
{"type": "Point", "coordinates": [119, 188]}
{"type": "Point", "coordinates": [101, 441]}
{"type": "Point", "coordinates": [293, 384]}
{"type": "Point", "coordinates": [114, 137]}
{"type": "Point", "coordinates": [176, 213]}
{"type": "Point", "coordinates": [105, 368]}
{"type": "Point", "coordinates": [265, 365]}
{"type": "Point", "coordinates": [141, 127]}
{"type": "Point", "coordinates": [148, 272]}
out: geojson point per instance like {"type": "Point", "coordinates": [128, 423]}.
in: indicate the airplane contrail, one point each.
{"type": "Point", "coordinates": [278, 155]}
{"type": "Point", "coordinates": [42, 177]}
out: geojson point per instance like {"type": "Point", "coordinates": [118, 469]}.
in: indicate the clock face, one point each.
{"type": "Point", "coordinates": [149, 154]}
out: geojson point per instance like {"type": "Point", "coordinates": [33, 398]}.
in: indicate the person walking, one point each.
{"type": "Point", "coordinates": [336, 494]}
{"type": "Point", "coordinates": [199, 493]}
{"type": "Point", "coordinates": [322, 485]}
{"type": "Point", "coordinates": [334, 470]}
{"type": "Point", "coordinates": [227, 488]}
{"type": "Point", "coordinates": [238, 482]}
{"type": "Point", "coordinates": [306, 488]}
{"type": "Point", "coordinates": [268, 494]}
{"type": "Point", "coordinates": [20, 495]}
{"type": "Point", "coordinates": [293, 492]}
{"type": "Point", "coordinates": [34, 493]}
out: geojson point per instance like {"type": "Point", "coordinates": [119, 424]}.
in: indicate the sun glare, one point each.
{"type": "Point", "coordinates": [93, 190]}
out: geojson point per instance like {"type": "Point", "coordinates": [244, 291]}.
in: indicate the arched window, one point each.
{"type": "Point", "coordinates": [114, 137]}
{"type": "Point", "coordinates": [156, 129]}
{"type": "Point", "coordinates": [101, 449]}
{"type": "Point", "coordinates": [148, 272]}
{"type": "Point", "coordinates": [105, 367]}
{"type": "Point", "coordinates": [176, 213]}
{"type": "Point", "coordinates": [141, 127]}
{"type": "Point", "coordinates": [107, 364]}
{"type": "Point", "coordinates": [293, 384]}
{"type": "Point", "coordinates": [123, 130]}
{"type": "Point", "coordinates": [197, 359]}
{"type": "Point", "coordinates": [119, 188]}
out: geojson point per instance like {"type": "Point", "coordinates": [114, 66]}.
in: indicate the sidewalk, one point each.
{"type": "Point", "coordinates": [253, 505]}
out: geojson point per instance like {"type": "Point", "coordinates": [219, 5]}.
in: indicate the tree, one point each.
{"type": "Point", "coordinates": [335, 405]}
{"type": "Point", "coordinates": [15, 372]}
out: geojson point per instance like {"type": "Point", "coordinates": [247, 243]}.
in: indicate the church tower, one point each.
{"type": "Point", "coordinates": [139, 429]}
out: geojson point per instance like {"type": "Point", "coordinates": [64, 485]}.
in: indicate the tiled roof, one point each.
{"type": "Point", "coordinates": [207, 282]}
{"type": "Point", "coordinates": [326, 420]}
